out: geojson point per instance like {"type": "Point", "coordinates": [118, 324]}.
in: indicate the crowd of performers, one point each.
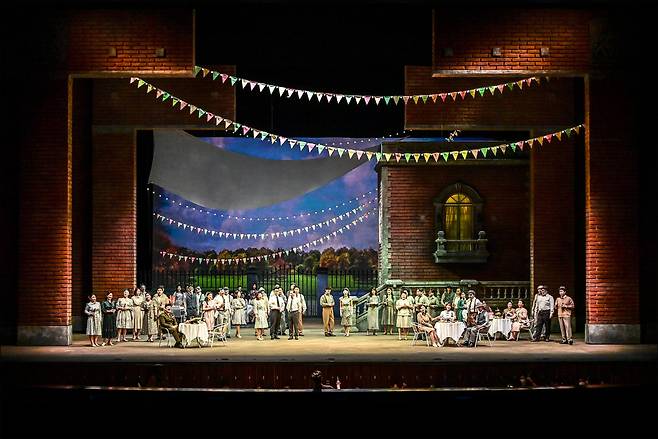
{"type": "Point", "coordinates": [282, 312]}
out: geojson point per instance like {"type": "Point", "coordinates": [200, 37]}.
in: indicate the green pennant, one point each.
{"type": "Point", "coordinates": [320, 148]}
{"type": "Point", "coordinates": [510, 86]}
{"type": "Point", "coordinates": [140, 83]}
{"type": "Point", "coordinates": [174, 101]}
{"type": "Point", "coordinates": [378, 155]}
{"type": "Point", "coordinates": [464, 154]}
{"type": "Point", "coordinates": [263, 135]}
{"type": "Point", "coordinates": [455, 154]}
{"type": "Point", "coordinates": [387, 99]}
{"type": "Point", "coordinates": [494, 150]}
{"type": "Point", "coordinates": [492, 89]}
{"type": "Point", "coordinates": [568, 132]}
{"type": "Point", "coordinates": [424, 98]}
{"type": "Point", "coordinates": [387, 156]}
{"type": "Point", "coordinates": [200, 112]}
{"type": "Point", "coordinates": [407, 156]}
{"type": "Point", "coordinates": [301, 144]}
{"type": "Point", "coordinates": [215, 75]}
{"type": "Point", "coordinates": [233, 80]}
{"type": "Point", "coordinates": [484, 151]}
{"type": "Point", "coordinates": [235, 127]}
{"type": "Point", "coordinates": [165, 96]}
{"type": "Point", "coordinates": [196, 70]}
{"type": "Point", "coordinates": [513, 147]}
{"type": "Point", "coordinates": [445, 156]}
{"type": "Point", "coordinates": [341, 151]}
{"type": "Point", "coordinates": [481, 91]}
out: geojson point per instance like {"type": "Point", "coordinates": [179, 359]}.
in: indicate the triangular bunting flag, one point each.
{"type": "Point", "coordinates": [464, 153]}
{"type": "Point", "coordinates": [320, 148]}
{"type": "Point", "coordinates": [415, 98]}
{"type": "Point", "coordinates": [407, 156]}
{"type": "Point", "coordinates": [416, 157]}
{"type": "Point", "coordinates": [366, 99]}
{"type": "Point", "coordinates": [484, 151]}
{"type": "Point", "coordinates": [462, 94]}
{"type": "Point", "coordinates": [443, 96]}
{"type": "Point", "coordinates": [233, 80]}
{"type": "Point", "coordinates": [369, 155]}
{"type": "Point", "coordinates": [475, 152]}
{"type": "Point", "coordinates": [224, 77]}
{"type": "Point", "coordinates": [378, 155]}
{"type": "Point", "coordinates": [455, 154]}
{"type": "Point", "coordinates": [396, 99]}
{"type": "Point", "coordinates": [341, 151]}
{"type": "Point", "coordinates": [481, 91]}
{"type": "Point", "coordinates": [503, 148]}
{"type": "Point", "coordinates": [405, 99]}
{"type": "Point", "coordinates": [350, 153]}
{"type": "Point", "coordinates": [387, 156]}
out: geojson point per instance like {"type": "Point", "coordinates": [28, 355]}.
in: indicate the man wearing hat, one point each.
{"type": "Point", "coordinates": [327, 302]}
{"type": "Point", "coordinates": [478, 324]}
{"type": "Point", "coordinates": [542, 310]}
{"type": "Point", "coordinates": [277, 303]}
{"type": "Point", "coordinates": [565, 305]}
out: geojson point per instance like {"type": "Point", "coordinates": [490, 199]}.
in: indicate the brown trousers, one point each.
{"type": "Point", "coordinates": [328, 318]}
{"type": "Point", "coordinates": [565, 327]}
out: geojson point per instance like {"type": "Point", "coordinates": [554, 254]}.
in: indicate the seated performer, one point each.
{"type": "Point", "coordinates": [168, 321]}
{"type": "Point", "coordinates": [447, 315]}
{"type": "Point", "coordinates": [479, 323]}
{"type": "Point", "coordinates": [519, 321]}
{"type": "Point", "coordinates": [425, 325]}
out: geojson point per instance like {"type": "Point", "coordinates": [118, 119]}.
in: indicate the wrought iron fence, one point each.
{"type": "Point", "coordinates": [358, 281]}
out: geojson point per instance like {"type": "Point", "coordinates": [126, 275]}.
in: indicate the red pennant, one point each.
{"type": "Point", "coordinates": [398, 156]}
{"type": "Point", "coordinates": [443, 96]}
{"type": "Point", "coordinates": [462, 94]}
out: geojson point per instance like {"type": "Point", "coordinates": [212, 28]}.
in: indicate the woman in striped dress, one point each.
{"type": "Point", "coordinates": [94, 320]}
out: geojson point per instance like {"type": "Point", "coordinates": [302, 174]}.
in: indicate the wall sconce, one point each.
{"type": "Point", "coordinates": [496, 52]}
{"type": "Point", "coordinates": [543, 51]}
{"type": "Point", "coordinates": [160, 52]}
{"type": "Point", "coordinates": [447, 52]}
{"type": "Point", "coordinates": [111, 52]}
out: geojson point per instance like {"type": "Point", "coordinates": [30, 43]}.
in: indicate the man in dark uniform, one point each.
{"type": "Point", "coordinates": [166, 320]}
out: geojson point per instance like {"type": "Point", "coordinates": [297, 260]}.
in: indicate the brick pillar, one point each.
{"type": "Point", "coordinates": [384, 264]}
{"type": "Point", "coordinates": [44, 289]}
{"type": "Point", "coordinates": [114, 209]}
{"type": "Point", "coordinates": [611, 221]}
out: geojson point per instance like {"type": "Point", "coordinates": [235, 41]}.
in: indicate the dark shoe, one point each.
{"type": "Point", "coordinates": [331, 334]}
{"type": "Point", "coordinates": [326, 335]}
{"type": "Point", "coordinates": [271, 337]}
{"type": "Point", "coordinates": [276, 337]}
{"type": "Point", "coordinates": [296, 338]}
{"type": "Point", "coordinates": [570, 341]}
{"type": "Point", "coordinates": [290, 338]}
{"type": "Point", "coordinates": [563, 341]}
{"type": "Point", "coordinates": [534, 340]}
{"type": "Point", "coordinates": [301, 335]}
{"type": "Point", "coordinates": [547, 339]}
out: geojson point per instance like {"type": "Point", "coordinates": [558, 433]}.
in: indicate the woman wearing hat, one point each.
{"type": "Point", "coordinates": [237, 306]}
{"type": "Point", "coordinates": [261, 310]}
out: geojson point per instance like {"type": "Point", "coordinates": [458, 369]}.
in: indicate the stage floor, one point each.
{"type": "Point", "coordinates": [315, 347]}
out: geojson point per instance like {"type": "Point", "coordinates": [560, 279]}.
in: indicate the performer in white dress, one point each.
{"type": "Point", "coordinates": [94, 320]}
{"type": "Point", "coordinates": [238, 306]}
{"type": "Point", "coordinates": [346, 312]}
{"type": "Point", "coordinates": [373, 312]}
{"type": "Point", "coordinates": [124, 315]}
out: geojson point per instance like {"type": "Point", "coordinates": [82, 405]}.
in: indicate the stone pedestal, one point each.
{"type": "Point", "coordinates": [45, 335]}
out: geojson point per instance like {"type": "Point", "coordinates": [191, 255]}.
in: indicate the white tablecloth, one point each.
{"type": "Point", "coordinates": [449, 330]}
{"type": "Point", "coordinates": [503, 326]}
{"type": "Point", "coordinates": [194, 331]}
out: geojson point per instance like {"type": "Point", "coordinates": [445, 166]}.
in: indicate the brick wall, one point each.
{"type": "Point", "coordinates": [412, 225]}
{"type": "Point", "coordinates": [549, 104]}
{"type": "Point", "coordinates": [135, 34]}
{"type": "Point", "coordinates": [520, 33]}
{"type": "Point", "coordinates": [611, 214]}
{"type": "Point", "coordinates": [552, 232]}
{"type": "Point", "coordinates": [44, 287]}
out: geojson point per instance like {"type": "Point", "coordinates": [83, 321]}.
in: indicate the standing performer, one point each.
{"type": "Point", "coordinates": [433, 303]}
{"type": "Point", "coordinates": [277, 302]}
{"type": "Point", "coordinates": [221, 306]}
{"type": "Point", "coordinates": [388, 313]}
{"type": "Point", "coordinates": [404, 307]}
{"type": "Point", "coordinates": [138, 315]}
{"type": "Point", "coordinates": [302, 300]}
{"type": "Point", "coordinates": [542, 310]}
{"type": "Point", "coordinates": [565, 306]}
{"type": "Point", "coordinates": [294, 307]}
{"type": "Point", "coordinates": [261, 311]}
{"type": "Point", "coordinates": [461, 306]}
{"type": "Point", "coordinates": [151, 312]}
{"type": "Point", "coordinates": [109, 309]}
{"type": "Point", "coordinates": [238, 306]}
{"type": "Point", "coordinates": [373, 312]}
{"type": "Point", "coordinates": [193, 302]}
{"type": "Point", "coordinates": [94, 320]}
{"type": "Point", "coordinates": [124, 315]}
{"type": "Point", "coordinates": [346, 312]}
{"type": "Point", "coordinates": [161, 299]}
{"type": "Point", "coordinates": [208, 308]}
{"type": "Point", "coordinates": [327, 303]}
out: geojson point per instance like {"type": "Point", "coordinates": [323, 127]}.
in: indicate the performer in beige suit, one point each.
{"type": "Point", "coordinates": [327, 303]}
{"type": "Point", "coordinates": [564, 305]}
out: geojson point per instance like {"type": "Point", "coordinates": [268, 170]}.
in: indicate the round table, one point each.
{"type": "Point", "coordinates": [445, 330]}
{"type": "Point", "coordinates": [194, 331]}
{"type": "Point", "coordinates": [504, 326]}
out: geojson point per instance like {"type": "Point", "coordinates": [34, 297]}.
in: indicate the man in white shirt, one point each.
{"type": "Point", "coordinates": [542, 310]}
{"type": "Point", "coordinates": [294, 308]}
{"type": "Point", "coordinates": [277, 303]}
{"type": "Point", "coordinates": [300, 323]}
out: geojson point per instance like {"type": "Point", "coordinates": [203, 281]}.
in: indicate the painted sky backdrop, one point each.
{"type": "Point", "coordinates": [360, 182]}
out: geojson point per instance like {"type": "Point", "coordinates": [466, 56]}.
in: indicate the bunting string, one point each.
{"type": "Point", "coordinates": [280, 218]}
{"type": "Point", "coordinates": [338, 98]}
{"type": "Point", "coordinates": [355, 153]}
{"type": "Point", "coordinates": [270, 235]}
{"type": "Point", "coordinates": [273, 255]}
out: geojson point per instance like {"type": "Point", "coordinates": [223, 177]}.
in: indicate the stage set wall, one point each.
{"type": "Point", "coordinates": [557, 238]}
{"type": "Point", "coordinates": [77, 175]}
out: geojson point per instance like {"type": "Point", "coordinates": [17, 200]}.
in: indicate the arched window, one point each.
{"type": "Point", "coordinates": [458, 222]}
{"type": "Point", "coordinates": [460, 233]}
